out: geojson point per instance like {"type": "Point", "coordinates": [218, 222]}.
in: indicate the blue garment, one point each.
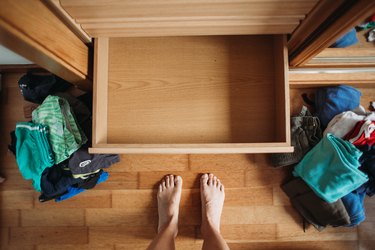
{"type": "Point", "coordinates": [353, 203]}
{"type": "Point", "coordinates": [346, 40]}
{"type": "Point", "coordinates": [331, 168]}
{"type": "Point", "coordinates": [72, 191]}
{"type": "Point", "coordinates": [332, 101]}
{"type": "Point", "coordinates": [55, 181]}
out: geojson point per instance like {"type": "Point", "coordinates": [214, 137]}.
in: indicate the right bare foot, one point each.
{"type": "Point", "coordinates": [212, 197]}
{"type": "Point", "coordinates": [169, 196]}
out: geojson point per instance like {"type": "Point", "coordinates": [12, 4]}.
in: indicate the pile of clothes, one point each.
{"type": "Point", "coordinates": [335, 169]}
{"type": "Point", "coordinates": [52, 149]}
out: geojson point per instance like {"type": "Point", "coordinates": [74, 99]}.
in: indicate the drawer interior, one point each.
{"type": "Point", "coordinates": [196, 90]}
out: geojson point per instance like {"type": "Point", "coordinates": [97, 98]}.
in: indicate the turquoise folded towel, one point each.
{"type": "Point", "coordinates": [331, 168]}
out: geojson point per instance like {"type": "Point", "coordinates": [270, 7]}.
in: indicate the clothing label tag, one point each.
{"type": "Point", "coordinates": [84, 163]}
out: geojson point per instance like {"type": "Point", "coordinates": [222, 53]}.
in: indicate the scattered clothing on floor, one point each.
{"type": "Point", "coordinates": [331, 168]}
{"type": "Point", "coordinates": [66, 136]}
{"type": "Point", "coordinates": [82, 162]}
{"type": "Point", "coordinates": [332, 101]}
{"type": "Point", "coordinates": [343, 123]}
{"type": "Point", "coordinates": [305, 134]}
{"type": "Point", "coordinates": [33, 151]}
{"type": "Point", "coordinates": [55, 181]}
{"type": "Point", "coordinates": [362, 134]}
{"type": "Point", "coordinates": [316, 211]}
{"type": "Point", "coordinates": [35, 88]}
{"type": "Point", "coordinates": [73, 191]}
{"type": "Point", "coordinates": [346, 40]}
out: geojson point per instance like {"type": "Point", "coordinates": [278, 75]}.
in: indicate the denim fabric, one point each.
{"type": "Point", "coordinates": [346, 40]}
{"type": "Point", "coordinates": [305, 134]}
{"type": "Point", "coordinates": [332, 101]}
{"type": "Point", "coordinates": [353, 203]}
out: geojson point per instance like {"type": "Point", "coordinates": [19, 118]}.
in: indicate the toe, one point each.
{"type": "Point", "coordinates": [210, 179]}
{"type": "Point", "coordinates": [160, 188]}
{"type": "Point", "coordinates": [163, 185]}
{"type": "Point", "coordinates": [171, 180]}
{"type": "Point", "coordinates": [204, 179]}
{"type": "Point", "coordinates": [218, 183]}
{"type": "Point", "coordinates": [167, 181]}
{"type": "Point", "coordinates": [214, 181]}
{"type": "Point", "coordinates": [178, 181]}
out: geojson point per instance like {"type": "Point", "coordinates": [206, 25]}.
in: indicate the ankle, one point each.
{"type": "Point", "coordinates": [171, 226]}
{"type": "Point", "coordinates": [209, 228]}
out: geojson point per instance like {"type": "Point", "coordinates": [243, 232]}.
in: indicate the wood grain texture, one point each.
{"type": "Point", "coordinates": [30, 29]}
{"type": "Point", "coordinates": [343, 57]}
{"type": "Point", "coordinates": [257, 215]}
{"type": "Point", "coordinates": [59, 11]}
{"type": "Point", "coordinates": [360, 79]}
{"type": "Point", "coordinates": [191, 90]}
{"type": "Point", "coordinates": [180, 18]}
{"type": "Point", "coordinates": [100, 94]}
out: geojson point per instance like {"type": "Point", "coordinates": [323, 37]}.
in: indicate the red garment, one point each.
{"type": "Point", "coordinates": [362, 134]}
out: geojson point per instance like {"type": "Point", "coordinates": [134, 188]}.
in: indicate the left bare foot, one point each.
{"type": "Point", "coordinates": [169, 196]}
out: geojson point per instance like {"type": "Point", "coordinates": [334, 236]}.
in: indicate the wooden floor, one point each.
{"type": "Point", "coordinates": [122, 213]}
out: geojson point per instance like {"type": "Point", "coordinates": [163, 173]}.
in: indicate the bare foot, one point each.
{"type": "Point", "coordinates": [212, 197]}
{"type": "Point", "coordinates": [169, 196]}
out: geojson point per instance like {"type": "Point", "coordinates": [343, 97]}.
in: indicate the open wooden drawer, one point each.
{"type": "Point", "coordinates": [192, 94]}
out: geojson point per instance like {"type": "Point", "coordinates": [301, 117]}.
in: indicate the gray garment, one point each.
{"type": "Point", "coordinates": [305, 134]}
{"type": "Point", "coordinates": [315, 210]}
{"type": "Point", "coordinates": [82, 162]}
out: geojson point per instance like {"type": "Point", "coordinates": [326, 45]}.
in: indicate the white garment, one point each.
{"type": "Point", "coordinates": [343, 123]}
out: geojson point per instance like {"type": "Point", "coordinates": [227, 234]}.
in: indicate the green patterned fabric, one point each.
{"type": "Point", "coordinates": [33, 151]}
{"type": "Point", "coordinates": [66, 136]}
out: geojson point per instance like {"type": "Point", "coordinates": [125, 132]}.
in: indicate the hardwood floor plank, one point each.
{"type": "Point", "coordinates": [294, 245]}
{"type": "Point", "coordinates": [221, 162]}
{"type": "Point", "coordinates": [146, 198]}
{"type": "Point", "coordinates": [52, 217]}
{"type": "Point", "coordinates": [14, 180]}
{"type": "Point", "coordinates": [16, 199]}
{"type": "Point", "coordinates": [121, 217]}
{"type": "Point", "coordinates": [247, 232]}
{"type": "Point", "coordinates": [136, 234]}
{"type": "Point", "coordinates": [294, 232]}
{"type": "Point", "coordinates": [118, 181]}
{"type": "Point", "coordinates": [9, 218]}
{"type": "Point", "coordinates": [4, 236]}
{"type": "Point", "coordinates": [248, 196]}
{"type": "Point", "coordinates": [366, 231]}
{"type": "Point", "coordinates": [75, 247]}
{"type": "Point", "coordinates": [45, 235]}
{"type": "Point", "coordinates": [366, 244]}
{"type": "Point", "coordinates": [265, 176]}
{"type": "Point", "coordinates": [88, 199]}
{"type": "Point", "coordinates": [151, 162]}
{"type": "Point", "coordinates": [259, 215]}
